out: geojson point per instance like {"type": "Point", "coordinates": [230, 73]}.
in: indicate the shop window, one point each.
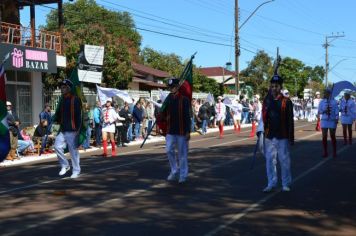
{"type": "Point", "coordinates": [18, 92]}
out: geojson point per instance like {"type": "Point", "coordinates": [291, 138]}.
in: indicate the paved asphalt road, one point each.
{"type": "Point", "coordinates": [128, 194]}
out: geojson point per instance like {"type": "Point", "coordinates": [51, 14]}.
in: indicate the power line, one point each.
{"type": "Point", "coordinates": [206, 7]}
{"type": "Point", "coordinates": [162, 18]}
{"type": "Point", "coordinates": [158, 32]}
{"type": "Point", "coordinates": [285, 24]}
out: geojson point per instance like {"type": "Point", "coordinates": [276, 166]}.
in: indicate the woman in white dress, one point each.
{"type": "Point", "coordinates": [237, 113]}
{"type": "Point", "coordinates": [220, 110]}
{"type": "Point", "coordinates": [348, 115]}
{"type": "Point", "coordinates": [108, 131]}
{"type": "Point", "coordinates": [328, 113]}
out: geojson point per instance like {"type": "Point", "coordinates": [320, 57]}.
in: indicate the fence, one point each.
{"type": "Point", "coordinates": [52, 96]}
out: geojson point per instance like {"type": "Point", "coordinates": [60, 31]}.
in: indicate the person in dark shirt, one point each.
{"type": "Point", "coordinates": [278, 127]}
{"type": "Point", "coordinates": [69, 117]}
{"type": "Point", "coordinates": [41, 131]}
{"type": "Point", "coordinates": [178, 118]}
{"type": "Point", "coordinates": [137, 115]}
{"type": "Point", "coordinates": [13, 123]}
{"type": "Point", "coordinates": [204, 115]}
{"type": "Point", "coordinates": [46, 115]}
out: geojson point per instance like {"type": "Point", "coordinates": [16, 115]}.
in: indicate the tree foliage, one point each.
{"type": "Point", "coordinates": [295, 73]}
{"type": "Point", "coordinates": [85, 22]}
{"type": "Point", "coordinates": [174, 65]}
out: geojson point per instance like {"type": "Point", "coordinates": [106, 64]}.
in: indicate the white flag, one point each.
{"type": "Point", "coordinates": [210, 99]}
{"type": "Point", "coordinates": [105, 93]}
{"type": "Point", "coordinates": [155, 103]}
{"type": "Point", "coordinates": [163, 95]}
{"type": "Point", "coordinates": [227, 101]}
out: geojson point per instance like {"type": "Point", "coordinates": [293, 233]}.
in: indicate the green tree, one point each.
{"type": "Point", "coordinates": [170, 63]}
{"type": "Point", "coordinates": [173, 64]}
{"type": "Point", "coordinates": [258, 72]}
{"type": "Point", "coordinates": [85, 22]}
{"type": "Point", "coordinates": [294, 76]}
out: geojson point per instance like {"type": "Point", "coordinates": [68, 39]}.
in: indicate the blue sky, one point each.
{"type": "Point", "coordinates": [297, 27]}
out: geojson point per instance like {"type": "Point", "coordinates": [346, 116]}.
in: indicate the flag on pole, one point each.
{"type": "Point", "coordinates": [341, 86]}
{"type": "Point", "coordinates": [77, 90]}
{"type": "Point", "coordinates": [210, 99]}
{"type": "Point", "coordinates": [185, 82]}
{"type": "Point", "coordinates": [163, 95]}
{"type": "Point", "coordinates": [105, 93]}
{"type": "Point", "coordinates": [4, 131]}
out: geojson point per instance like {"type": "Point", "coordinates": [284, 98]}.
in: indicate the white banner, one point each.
{"type": "Point", "coordinates": [105, 93]}
{"type": "Point", "coordinates": [163, 95]}
{"type": "Point", "coordinates": [210, 99]}
{"type": "Point", "coordinates": [159, 105]}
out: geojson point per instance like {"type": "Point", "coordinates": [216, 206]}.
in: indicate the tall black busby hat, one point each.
{"type": "Point", "coordinates": [66, 82]}
{"type": "Point", "coordinates": [277, 79]}
{"type": "Point", "coordinates": [172, 82]}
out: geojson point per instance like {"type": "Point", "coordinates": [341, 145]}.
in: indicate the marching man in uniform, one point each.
{"type": "Point", "coordinates": [69, 117]}
{"type": "Point", "coordinates": [277, 123]}
{"type": "Point", "coordinates": [178, 119]}
{"type": "Point", "coordinates": [348, 115]}
{"type": "Point", "coordinates": [220, 110]}
{"type": "Point", "coordinates": [328, 113]}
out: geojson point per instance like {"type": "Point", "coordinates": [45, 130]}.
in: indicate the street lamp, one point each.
{"type": "Point", "coordinates": [237, 43]}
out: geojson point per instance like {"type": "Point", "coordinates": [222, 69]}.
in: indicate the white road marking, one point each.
{"type": "Point", "coordinates": [119, 166]}
{"type": "Point", "coordinates": [257, 204]}
{"type": "Point", "coordinates": [133, 193]}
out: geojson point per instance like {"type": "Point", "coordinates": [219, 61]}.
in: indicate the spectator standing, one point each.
{"type": "Point", "coordinates": [137, 118]}
{"type": "Point", "coordinates": [97, 117]}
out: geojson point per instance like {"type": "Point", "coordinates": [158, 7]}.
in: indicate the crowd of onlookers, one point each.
{"type": "Point", "coordinates": [136, 121]}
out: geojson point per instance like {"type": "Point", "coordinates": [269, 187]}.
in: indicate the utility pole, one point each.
{"type": "Point", "coordinates": [326, 46]}
{"type": "Point", "coordinates": [237, 40]}
{"type": "Point", "coordinates": [237, 48]}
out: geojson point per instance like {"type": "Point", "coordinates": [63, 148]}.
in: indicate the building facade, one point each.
{"type": "Point", "coordinates": [31, 53]}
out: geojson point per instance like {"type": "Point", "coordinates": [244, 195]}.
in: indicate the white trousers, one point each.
{"type": "Point", "coordinates": [69, 139]}
{"type": "Point", "coordinates": [277, 147]}
{"type": "Point", "coordinates": [180, 143]}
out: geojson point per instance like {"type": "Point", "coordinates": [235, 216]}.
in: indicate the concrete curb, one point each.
{"type": "Point", "coordinates": [153, 139]}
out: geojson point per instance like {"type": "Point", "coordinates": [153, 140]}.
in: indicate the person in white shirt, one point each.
{"type": "Point", "coordinates": [348, 115]}
{"type": "Point", "coordinates": [328, 113]}
{"type": "Point", "coordinates": [316, 102]}
{"type": "Point", "coordinates": [237, 114]}
{"type": "Point", "coordinates": [220, 110]}
{"type": "Point", "coordinates": [109, 118]}
{"type": "Point", "coordinates": [256, 114]}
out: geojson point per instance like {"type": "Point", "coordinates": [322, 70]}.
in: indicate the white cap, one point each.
{"type": "Point", "coordinates": [219, 97]}
{"type": "Point", "coordinates": [257, 96]}
{"type": "Point", "coordinates": [8, 103]}
{"type": "Point", "coordinates": [285, 93]}
{"type": "Point", "coordinates": [109, 100]}
{"type": "Point", "coordinates": [317, 93]}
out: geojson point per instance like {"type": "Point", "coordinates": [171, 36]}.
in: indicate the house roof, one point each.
{"type": "Point", "coordinates": [146, 70]}
{"type": "Point", "coordinates": [216, 71]}
{"type": "Point", "coordinates": [150, 83]}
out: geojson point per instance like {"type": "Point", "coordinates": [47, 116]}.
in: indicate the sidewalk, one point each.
{"type": "Point", "coordinates": [151, 139]}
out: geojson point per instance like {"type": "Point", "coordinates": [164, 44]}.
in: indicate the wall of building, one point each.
{"type": "Point", "coordinates": [36, 99]}
{"type": "Point", "coordinates": [134, 86]}
{"type": "Point", "coordinates": [9, 12]}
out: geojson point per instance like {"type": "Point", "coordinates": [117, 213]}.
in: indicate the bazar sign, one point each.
{"type": "Point", "coordinates": [29, 59]}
